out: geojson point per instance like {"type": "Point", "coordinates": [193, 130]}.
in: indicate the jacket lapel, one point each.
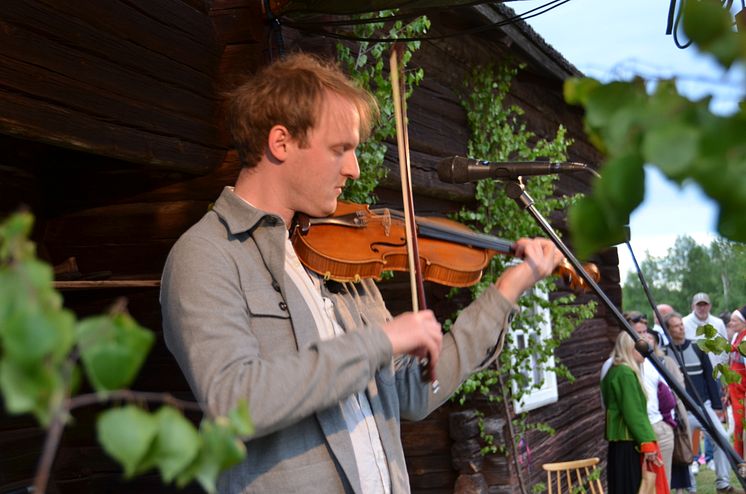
{"type": "Point", "coordinates": [331, 420]}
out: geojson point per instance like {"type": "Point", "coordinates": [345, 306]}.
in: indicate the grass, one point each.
{"type": "Point", "coordinates": [706, 481]}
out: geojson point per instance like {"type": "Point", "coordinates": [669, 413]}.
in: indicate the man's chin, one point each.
{"type": "Point", "coordinates": [322, 211]}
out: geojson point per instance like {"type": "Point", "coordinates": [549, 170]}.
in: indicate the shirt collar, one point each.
{"type": "Point", "coordinates": [239, 215]}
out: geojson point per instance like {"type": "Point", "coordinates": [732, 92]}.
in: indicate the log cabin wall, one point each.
{"type": "Point", "coordinates": [110, 132]}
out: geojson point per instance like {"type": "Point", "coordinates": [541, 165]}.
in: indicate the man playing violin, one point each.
{"type": "Point", "coordinates": [328, 373]}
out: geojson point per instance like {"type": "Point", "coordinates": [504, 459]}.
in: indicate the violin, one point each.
{"type": "Point", "coordinates": [357, 242]}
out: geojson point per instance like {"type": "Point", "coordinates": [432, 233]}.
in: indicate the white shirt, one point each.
{"type": "Point", "coordinates": [369, 455]}
{"type": "Point", "coordinates": [691, 323]}
{"type": "Point", "coordinates": [650, 378]}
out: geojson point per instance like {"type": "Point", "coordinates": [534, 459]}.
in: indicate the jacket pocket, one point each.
{"type": "Point", "coordinates": [266, 303]}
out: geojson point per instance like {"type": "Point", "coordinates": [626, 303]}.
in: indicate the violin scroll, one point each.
{"type": "Point", "coordinates": [572, 279]}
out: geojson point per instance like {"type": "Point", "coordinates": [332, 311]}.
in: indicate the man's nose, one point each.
{"type": "Point", "coordinates": [351, 168]}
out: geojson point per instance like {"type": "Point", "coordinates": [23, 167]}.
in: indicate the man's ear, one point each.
{"type": "Point", "coordinates": [278, 142]}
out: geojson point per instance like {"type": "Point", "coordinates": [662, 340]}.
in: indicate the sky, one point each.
{"type": "Point", "coordinates": [616, 40]}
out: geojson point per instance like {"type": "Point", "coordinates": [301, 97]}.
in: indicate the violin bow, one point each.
{"type": "Point", "coordinates": [402, 142]}
{"type": "Point", "coordinates": [416, 283]}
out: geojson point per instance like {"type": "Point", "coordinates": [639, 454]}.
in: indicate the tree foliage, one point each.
{"type": "Point", "coordinates": [683, 138]}
{"type": "Point", "coordinates": [718, 269]}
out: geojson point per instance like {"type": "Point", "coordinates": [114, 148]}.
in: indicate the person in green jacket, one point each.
{"type": "Point", "coordinates": [628, 429]}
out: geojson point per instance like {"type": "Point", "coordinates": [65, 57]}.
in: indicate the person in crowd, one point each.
{"type": "Point", "coordinates": [679, 478]}
{"type": "Point", "coordinates": [664, 399]}
{"type": "Point", "coordinates": [699, 370]}
{"type": "Point", "coordinates": [654, 386]}
{"type": "Point", "coordinates": [326, 370]}
{"type": "Point", "coordinates": [725, 316]}
{"type": "Point", "coordinates": [737, 363]}
{"type": "Point", "coordinates": [700, 316]}
{"type": "Point", "coordinates": [663, 310]}
{"type": "Point", "coordinates": [628, 430]}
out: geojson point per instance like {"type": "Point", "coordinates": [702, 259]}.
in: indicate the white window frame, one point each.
{"type": "Point", "coordinates": [547, 393]}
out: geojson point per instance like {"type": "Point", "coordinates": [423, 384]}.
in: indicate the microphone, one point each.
{"type": "Point", "coordinates": [458, 170]}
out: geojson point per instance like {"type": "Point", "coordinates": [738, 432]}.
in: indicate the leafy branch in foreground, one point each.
{"type": "Point", "coordinates": [43, 348]}
{"type": "Point", "coordinates": [683, 138]}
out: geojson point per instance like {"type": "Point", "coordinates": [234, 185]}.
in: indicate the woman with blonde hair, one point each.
{"type": "Point", "coordinates": [628, 428]}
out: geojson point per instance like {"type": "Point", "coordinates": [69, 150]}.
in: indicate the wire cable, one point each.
{"type": "Point", "coordinates": [301, 26]}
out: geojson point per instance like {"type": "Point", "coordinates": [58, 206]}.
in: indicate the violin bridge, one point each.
{"type": "Point", "coordinates": [387, 222]}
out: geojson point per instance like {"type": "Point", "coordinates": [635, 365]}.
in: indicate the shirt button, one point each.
{"type": "Point", "coordinates": [275, 285]}
{"type": "Point", "coordinates": [283, 306]}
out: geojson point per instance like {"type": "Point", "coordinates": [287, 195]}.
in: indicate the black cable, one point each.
{"type": "Point", "coordinates": [354, 22]}
{"type": "Point", "coordinates": [399, 5]}
{"type": "Point", "coordinates": [679, 15]}
{"type": "Point", "coordinates": [671, 11]}
{"type": "Point", "coordinates": [511, 20]}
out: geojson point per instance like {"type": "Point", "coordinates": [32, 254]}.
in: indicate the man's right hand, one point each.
{"type": "Point", "coordinates": [418, 334]}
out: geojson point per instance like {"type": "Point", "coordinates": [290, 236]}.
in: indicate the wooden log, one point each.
{"type": "Point", "coordinates": [470, 484]}
{"type": "Point", "coordinates": [89, 285]}
{"type": "Point", "coordinates": [466, 456]}
{"type": "Point", "coordinates": [463, 425]}
{"type": "Point", "coordinates": [54, 124]}
{"type": "Point", "coordinates": [102, 93]}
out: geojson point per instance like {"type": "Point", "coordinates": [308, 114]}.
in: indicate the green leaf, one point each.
{"type": "Point", "coordinates": [705, 21]}
{"type": "Point", "coordinates": [29, 337]}
{"type": "Point", "coordinates": [709, 25]}
{"type": "Point", "coordinates": [707, 330]}
{"type": "Point", "coordinates": [36, 389]}
{"type": "Point", "coordinates": [672, 147]}
{"type": "Point", "coordinates": [113, 348]}
{"type": "Point", "coordinates": [622, 133]}
{"type": "Point", "coordinates": [604, 101]}
{"type": "Point", "coordinates": [621, 188]}
{"type": "Point", "coordinates": [599, 221]}
{"type": "Point", "coordinates": [742, 348]}
{"type": "Point", "coordinates": [729, 376]}
{"type": "Point", "coordinates": [590, 229]}
{"type": "Point", "coordinates": [240, 419]}
{"type": "Point", "coordinates": [713, 343]}
{"type": "Point", "coordinates": [220, 450]}
{"type": "Point", "coordinates": [732, 222]}
{"type": "Point", "coordinates": [126, 434]}
{"type": "Point", "coordinates": [14, 233]}
{"type": "Point", "coordinates": [176, 445]}
{"type": "Point", "coordinates": [576, 90]}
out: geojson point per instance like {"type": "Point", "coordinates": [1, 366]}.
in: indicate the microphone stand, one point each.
{"type": "Point", "coordinates": [516, 190]}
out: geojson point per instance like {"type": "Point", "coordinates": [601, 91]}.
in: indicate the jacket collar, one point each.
{"type": "Point", "coordinates": [239, 215]}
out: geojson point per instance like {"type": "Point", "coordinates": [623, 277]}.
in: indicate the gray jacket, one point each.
{"type": "Point", "coordinates": [239, 328]}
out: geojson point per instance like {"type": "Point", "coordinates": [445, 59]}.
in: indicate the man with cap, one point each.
{"type": "Point", "coordinates": [737, 391]}
{"type": "Point", "coordinates": [701, 316]}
